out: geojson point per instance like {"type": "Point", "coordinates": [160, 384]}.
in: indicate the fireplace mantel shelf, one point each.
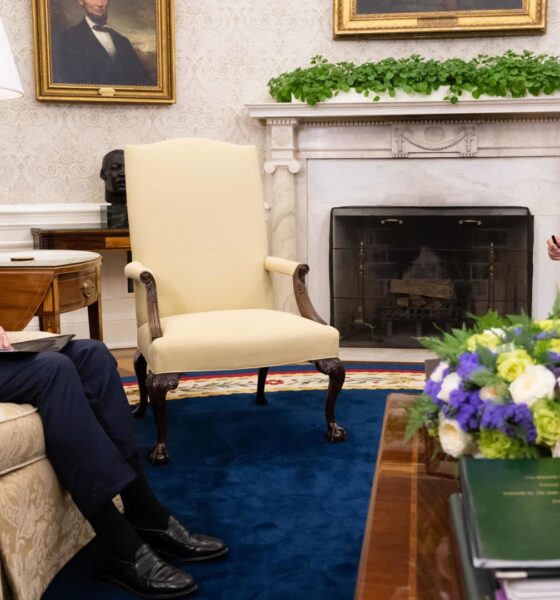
{"type": "Point", "coordinates": [492, 107]}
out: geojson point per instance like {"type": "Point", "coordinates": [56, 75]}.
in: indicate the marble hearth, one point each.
{"type": "Point", "coordinates": [503, 152]}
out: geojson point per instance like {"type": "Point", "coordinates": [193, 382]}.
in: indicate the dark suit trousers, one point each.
{"type": "Point", "coordinates": [89, 429]}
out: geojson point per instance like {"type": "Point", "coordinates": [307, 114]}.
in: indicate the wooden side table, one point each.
{"type": "Point", "coordinates": [46, 283]}
{"type": "Point", "coordinates": [407, 553]}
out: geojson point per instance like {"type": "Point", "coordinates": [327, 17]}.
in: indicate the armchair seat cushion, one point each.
{"type": "Point", "coordinates": [236, 339]}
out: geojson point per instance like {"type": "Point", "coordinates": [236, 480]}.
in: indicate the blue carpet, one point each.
{"type": "Point", "coordinates": [291, 506]}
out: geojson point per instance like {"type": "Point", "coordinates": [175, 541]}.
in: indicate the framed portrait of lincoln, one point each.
{"type": "Point", "coordinates": [104, 51]}
{"type": "Point", "coordinates": [432, 18]}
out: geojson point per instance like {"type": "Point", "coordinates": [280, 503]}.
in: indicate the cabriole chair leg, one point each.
{"type": "Point", "coordinates": [261, 398]}
{"type": "Point", "coordinates": [141, 371]}
{"type": "Point", "coordinates": [334, 368]}
{"type": "Point", "coordinates": [158, 386]}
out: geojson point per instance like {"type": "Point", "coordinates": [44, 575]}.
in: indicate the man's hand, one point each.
{"type": "Point", "coordinates": [4, 343]}
{"type": "Point", "coordinates": [553, 249]}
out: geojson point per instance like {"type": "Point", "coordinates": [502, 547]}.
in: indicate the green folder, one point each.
{"type": "Point", "coordinates": [512, 512]}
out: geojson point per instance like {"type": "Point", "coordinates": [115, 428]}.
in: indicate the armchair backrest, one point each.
{"type": "Point", "coordinates": [196, 218]}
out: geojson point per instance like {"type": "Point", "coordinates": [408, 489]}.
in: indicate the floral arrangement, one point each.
{"type": "Point", "coordinates": [495, 392]}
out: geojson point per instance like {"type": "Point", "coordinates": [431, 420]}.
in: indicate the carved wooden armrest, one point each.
{"type": "Point", "coordinates": [141, 274]}
{"type": "Point", "coordinates": [298, 271]}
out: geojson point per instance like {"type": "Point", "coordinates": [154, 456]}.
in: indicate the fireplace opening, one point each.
{"type": "Point", "coordinates": [399, 273]}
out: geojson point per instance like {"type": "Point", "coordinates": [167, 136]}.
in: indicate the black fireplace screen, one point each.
{"type": "Point", "coordinates": [399, 273]}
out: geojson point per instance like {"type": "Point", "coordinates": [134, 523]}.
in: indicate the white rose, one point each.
{"type": "Point", "coordinates": [556, 450]}
{"type": "Point", "coordinates": [437, 373]}
{"type": "Point", "coordinates": [488, 392]}
{"type": "Point", "coordinates": [449, 384]}
{"type": "Point", "coordinates": [534, 383]}
{"type": "Point", "coordinates": [452, 438]}
{"type": "Point", "coordinates": [501, 333]}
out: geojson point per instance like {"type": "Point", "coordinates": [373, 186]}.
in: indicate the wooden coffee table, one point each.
{"type": "Point", "coordinates": [407, 550]}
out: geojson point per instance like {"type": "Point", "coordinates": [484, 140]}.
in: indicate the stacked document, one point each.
{"type": "Point", "coordinates": [531, 589]}
{"type": "Point", "coordinates": [506, 527]}
{"type": "Point", "coordinates": [52, 343]}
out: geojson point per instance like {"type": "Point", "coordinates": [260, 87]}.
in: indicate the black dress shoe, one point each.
{"type": "Point", "coordinates": [148, 576]}
{"type": "Point", "coordinates": [180, 544]}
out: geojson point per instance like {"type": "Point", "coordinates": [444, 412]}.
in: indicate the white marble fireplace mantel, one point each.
{"type": "Point", "coordinates": [487, 152]}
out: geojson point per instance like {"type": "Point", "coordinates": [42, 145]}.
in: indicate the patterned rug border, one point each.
{"type": "Point", "coordinates": [359, 376]}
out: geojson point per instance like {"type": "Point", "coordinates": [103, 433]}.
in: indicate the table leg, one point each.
{"type": "Point", "coordinates": [50, 323]}
{"type": "Point", "coordinates": [95, 316]}
{"type": "Point", "coordinates": [95, 321]}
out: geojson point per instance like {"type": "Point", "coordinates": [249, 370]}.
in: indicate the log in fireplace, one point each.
{"type": "Point", "coordinates": [399, 273]}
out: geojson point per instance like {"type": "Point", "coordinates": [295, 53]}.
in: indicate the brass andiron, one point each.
{"type": "Point", "coordinates": [359, 328]}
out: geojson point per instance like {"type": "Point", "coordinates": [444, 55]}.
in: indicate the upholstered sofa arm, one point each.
{"type": "Point", "coordinates": [145, 279]}
{"type": "Point", "coordinates": [298, 271]}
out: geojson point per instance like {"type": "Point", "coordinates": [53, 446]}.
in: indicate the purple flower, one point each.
{"type": "Point", "coordinates": [544, 335]}
{"type": "Point", "coordinates": [555, 371]}
{"type": "Point", "coordinates": [432, 388]}
{"type": "Point", "coordinates": [515, 420]}
{"type": "Point", "coordinates": [465, 407]}
{"type": "Point", "coordinates": [468, 364]}
{"type": "Point", "coordinates": [554, 357]}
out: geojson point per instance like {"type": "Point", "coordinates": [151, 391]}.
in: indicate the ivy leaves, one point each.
{"type": "Point", "coordinates": [510, 74]}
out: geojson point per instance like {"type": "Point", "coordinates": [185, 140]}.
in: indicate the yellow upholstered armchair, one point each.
{"type": "Point", "coordinates": [202, 276]}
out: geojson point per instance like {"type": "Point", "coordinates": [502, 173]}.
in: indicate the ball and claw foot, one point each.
{"type": "Point", "coordinates": [159, 455]}
{"type": "Point", "coordinates": [336, 433]}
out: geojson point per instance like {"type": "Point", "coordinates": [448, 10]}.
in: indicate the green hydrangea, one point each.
{"type": "Point", "coordinates": [486, 339]}
{"type": "Point", "coordinates": [549, 324]}
{"type": "Point", "coordinates": [495, 444]}
{"type": "Point", "coordinates": [512, 364]}
{"type": "Point", "coordinates": [546, 415]}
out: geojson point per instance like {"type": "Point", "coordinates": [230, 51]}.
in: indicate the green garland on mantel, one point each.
{"type": "Point", "coordinates": [511, 74]}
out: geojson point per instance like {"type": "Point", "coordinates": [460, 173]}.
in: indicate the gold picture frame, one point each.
{"type": "Point", "coordinates": [438, 18]}
{"type": "Point", "coordinates": [123, 53]}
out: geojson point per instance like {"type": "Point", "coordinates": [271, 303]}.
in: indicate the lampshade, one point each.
{"type": "Point", "coordinates": [10, 84]}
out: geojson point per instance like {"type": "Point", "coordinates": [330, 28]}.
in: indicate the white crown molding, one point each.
{"type": "Point", "coordinates": [52, 208]}
{"type": "Point", "coordinates": [16, 220]}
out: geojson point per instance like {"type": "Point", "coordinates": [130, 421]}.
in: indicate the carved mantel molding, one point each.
{"type": "Point", "coordinates": [442, 138]}
{"type": "Point", "coordinates": [281, 150]}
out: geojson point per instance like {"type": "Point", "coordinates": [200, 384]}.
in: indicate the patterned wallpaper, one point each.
{"type": "Point", "coordinates": [226, 52]}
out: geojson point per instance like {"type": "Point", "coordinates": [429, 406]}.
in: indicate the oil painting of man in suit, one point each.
{"type": "Point", "coordinates": [422, 6]}
{"type": "Point", "coordinates": [89, 49]}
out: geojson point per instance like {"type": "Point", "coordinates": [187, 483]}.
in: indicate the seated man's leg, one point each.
{"type": "Point", "coordinates": [102, 385]}
{"type": "Point", "coordinates": [103, 388]}
{"type": "Point", "coordinates": [85, 459]}
{"type": "Point", "coordinates": [91, 468]}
